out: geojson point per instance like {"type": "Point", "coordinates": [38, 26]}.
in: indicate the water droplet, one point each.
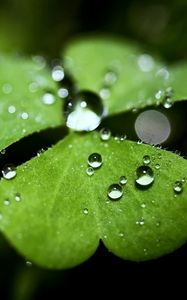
{"type": "Point", "coordinates": [6, 202]}
{"type": "Point", "coordinates": [9, 172]}
{"type": "Point", "coordinates": [145, 176]}
{"type": "Point", "coordinates": [24, 115]}
{"type": "Point", "coordinates": [33, 87]}
{"type": "Point", "coordinates": [58, 73]}
{"type": "Point", "coordinates": [1, 216]}
{"type": "Point", "coordinates": [63, 93]}
{"type": "Point", "coordinates": [141, 221]}
{"type": "Point", "coordinates": [3, 151]}
{"type": "Point", "coordinates": [39, 61]}
{"type": "Point", "coordinates": [90, 171]}
{"type": "Point", "coordinates": [146, 159]}
{"type": "Point", "coordinates": [145, 63]}
{"type": "Point", "coordinates": [115, 191]}
{"type": "Point", "coordinates": [48, 99]}
{"type": "Point", "coordinates": [143, 205]}
{"type": "Point", "coordinates": [121, 234]}
{"type": "Point", "coordinates": [157, 166]}
{"type": "Point", "coordinates": [110, 78]}
{"type": "Point", "coordinates": [159, 94]}
{"type": "Point", "coordinates": [11, 109]}
{"type": "Point", "coordinates": [178, 187]}
{"type": "Point", "coordinates": [168, 102]}
{"type": "Point", "coordinates": [85, 211]}
{"type": "Point", "coordinates": [17, 197]}
{"type": "Point", "coordinates": [28, 263]}
{"type": "Point", "coordinates": [104, 93]}
{"type": "Point", "coordinates": [157, 224]}
{"type": "Point", "coordinates": [123, 180]}
{"type": "Point", "coordinates": [83, 112]}
{"type": "Point", "coordinates": [163, 73]}
{"type": "Point", "coordinates": [152, 127]}
{"type": "Point", "coordinates": [105, 134]}
{"type": "Point", "coordinates": [95, 160]}
{"type": "Point", "coordinates": [7, 88]}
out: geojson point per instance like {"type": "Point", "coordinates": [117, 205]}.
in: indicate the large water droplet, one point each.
{"type": "Point", "coordinates": [123, 180]}
{"type": "Point", "coordinates": [145, 176]}
{"type": "Point", "coordinates": [9, 172]}
{"type": "Point", "coordinates": [84, 112]}
{"type": "Point", "coordinates": [178, 187]}
{"type": "Point", "coordinates": [90, 171]}
{"type": "Point", "coordinates": [105, 134]}
{"type": "Point", "coordinates": [152, 127]}
{"type": "Point", "coordinates": [95, 160]}
{"type": "Point", "coordinates": [115, 191]}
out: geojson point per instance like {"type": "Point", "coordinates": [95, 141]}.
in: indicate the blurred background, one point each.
{"type": "Point", "coordinates": [45, 27]}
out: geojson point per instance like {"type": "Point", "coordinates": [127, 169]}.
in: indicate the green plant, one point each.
{"type": "Point", "coordinates": [52, 211]}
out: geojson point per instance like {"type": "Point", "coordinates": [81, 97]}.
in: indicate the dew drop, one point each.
{"type": "Point", "coordinates": [121, 234]}
{"type": "Point", "coordinates": [7, 88]}
{"type": "Point", "coordinates": [146, 159]}
{"type": "Point", "coordinates": [48, 99]}
{"type": "Point", "coordinates": [157, 166]}
{"type": "Point", "coordinates": [123, 180]}
{"type": "Point", "coordinates": [9, 172]}
{"type": "Point", "coordinates": [6, 202]}
{"type": "Point", "coordinates": [89, 171]}
{"type": "Point", "coordinates": [17, 197]}
{"type": "Point", "coordinates": [115, 191]}
{"type": "Point", "coordinates": [110, 78]}
{"type": "Point", "coordinates": [143, 205]}
{"type": "Point", "coordinates": [11, 109]}
{"type": "Point", "coordinates": [63, 93]}
{"type": "Point", "coordinates": [85, 211]}
{"type": "Point", "coordinates": [95, 160]}
{"type": "Point", "coordinates": [58, 73]}
{"type": "Point", "coordinates": [3, 151]}
{"type": "Point", "coordinates": [24, 115]}
{"type": "Point", "coordinates": [145, 63]}
{"type": "Point", "coordinates": [105, 134]}
{"type": "Point", "coordinates": [83, 112]}
{"type": "Point", "coordinates": [178, 187]}
{"type": "Point", "coordinates": [145, 176]}
{"type": "Point", "coordinates": [104, 93]}
{"type": "Point", "coordinates": [168, 102]}
{"type": "Point", "coordinates": [141, 221]}
{"type": "Point", "coordinates": [28, 263]}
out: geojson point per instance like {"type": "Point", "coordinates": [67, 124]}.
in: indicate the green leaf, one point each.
{"type": "Point", "coordinates": [63, 212]}
{"type": "Point", "coordinates": [141, 79]}
{"type": "Point", "coordinates": [23, 82]}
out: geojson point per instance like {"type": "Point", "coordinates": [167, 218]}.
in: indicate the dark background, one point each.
{"type": "Point", "coordinates": [44, 27]}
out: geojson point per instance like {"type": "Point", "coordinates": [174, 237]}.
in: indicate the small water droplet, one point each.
{"type": "Point", "coordinates": [123, 180]}
{"type": "Point", "coordinates": [95, 160]}
{"type": "Point", "coordinates": [168, 102]}
{"type": "Point", "coordinates": [90, 171]}
{"type": "Point", "coordinates": [145, 63]}
{"type": "Point", "coordinates": [178, 187]}
{"type": "Point", "coordinates": [110, 78]}
{"type": "Point", "coordinates": [3, 151]}
{"type": "Point", "coordinates": [145, 176]}
{"type": "Point", "coordinates": [115, 191]}
{"type": "Point", "coordinates": [33, 87]}
{"type": "Point", "coordinates": [58, 73]}
{"type": "Point", "coordinates": [159, 94]}
{"type": "Point", "coordinates": [48, 99]}
{"type": "Point", "coordinates": [63, 93]}
{"type": "Point", "coordinates": [11, 109]}
{"type": "Point", "coordinates": [85, 211]}
{"type": "Point", "coordinates": [83, 112]}
{"type": "Point", "coordinates": [105, 134]}
{"type": "Point", "coordinates": [146, 159]}
{"type": "Point", "coordinates": [121, 234]}
{"type": "Point", "coordinates": [6, 202]}
{"type": "Point", "coordinates": [157, 224]}
{"type": "Point", "coordinates": [141, 221]}
{"type": "Point", "coordinates": [24, 115]}
{"type": "Point", "coordinates": [7, 88]}
{"type": "Point", "coordinates": [9, 172]}
{"type": "Point", "coordinates": [143, 205]}
{"type": "Point", "coordinates": [28, 263]}
{"type": "Point", "coordinates": [17, 197]}
{"type": "Point", "coordinates": [104, 93]}
{"type": "Point", "coordinates": [157, 166]}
